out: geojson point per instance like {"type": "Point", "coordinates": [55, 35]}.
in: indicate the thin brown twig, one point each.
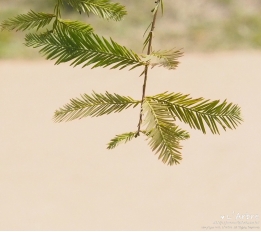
{"type": "Point", "coordinates": [146, 69]}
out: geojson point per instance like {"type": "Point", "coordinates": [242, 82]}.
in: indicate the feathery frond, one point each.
{"type": "Point", "coordinates": [167, 59]}
{"type": "Point", "coordinates": [83, 48]}
{"type": "Point", "coordinates": [94, 105]}
{"type": "Point", "coordinates": [102, 8]}
{"type": "Point", "coordinates": [27, 21]}
{"type": "Point", "coordinates": [164, 135]}
{"type": "Point", "coordinates": [122, 138]}
{"type": "Point", "coordinates": [199, 112]}
{"type": "Point", "coordinates": [75, 26]}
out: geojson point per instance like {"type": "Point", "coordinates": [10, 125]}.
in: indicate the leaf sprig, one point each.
{"type": "Point", "coordinates": [102, 8]}
{"type": "Point", "coordinates": [122, 138]}
{"type": "Point", "coordinates": [93, 105]}
{"type": "Point", "coordinates": [74, 26]}
{"type": "Point", "coordinates": [163, 134]}
{"type": "Point", "coordinates": [27, 21]}
{"type": "Point", "coordinates": [159, 124]}
{"type": "Point", "coordinates": [199, 113]}
{"type": "Point", "coordinates": [83, 48]}
{"type": "Point", "coordinates": [167, 58]}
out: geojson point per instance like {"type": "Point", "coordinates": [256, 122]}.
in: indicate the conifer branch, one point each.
{"type": "Point", "coordinates": [199, 112]}
{"type": "Point", "coordinates": [75, 41]}
{"type": "Point", "coordinates": [122, 138]}
{"type": "Point", "coordinates": [83, 48]}
{"type": "Point", "coordinates": [163, 134]}
{"type": "Point", "coordinates": [102, 8]}
{"type": "Point", "coordinates": [27, 21]}
{"type": "Point", "coordinates": [93, 105]}
{"type": "Point", "coordinates": [75, 26]}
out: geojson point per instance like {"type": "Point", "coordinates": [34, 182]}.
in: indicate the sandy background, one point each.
{"type": "Point", "coordinates": [61, 177]}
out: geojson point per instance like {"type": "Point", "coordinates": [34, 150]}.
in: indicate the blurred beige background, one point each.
{"type": "Point", "coordinates": [62, 177]}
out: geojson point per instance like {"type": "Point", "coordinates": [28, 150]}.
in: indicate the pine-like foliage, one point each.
{"type": "Point", "coordinates": [94, 105]}
{"type": "Point", "coordinates": [122, 138]}
{"type": "Point", "coordinates": [102, 8]}
{"type": "Point", "coordinates": [27, 21]}
{"type": "Point", "coordinates": [75, 42]}
{"type": "Point", "coordinates": [83, 48]}
{"type": "Point", "coordinates": [164, 135]}
{"type": "Point", "coordinates": [199, 113]}
{"type": "Point", "coordinates": [159, 124]}
{"type": "Point", "coordinates": [74, 26]}
{"type": "Point", "coordinates": [167, 59]}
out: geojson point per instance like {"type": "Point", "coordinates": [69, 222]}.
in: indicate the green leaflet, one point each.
{"type": "Point", "coordinates": [93, 105]}
{"type": "Point", "coordinates": [122, 138]}
{"type": "Point", "coordinates": [167, 58]}
{"type": "Point", "coordinates": [199, 113]}
{"type": "Point", "coordinates": [102, 8]}
{"type": "Point", "coordinates": [27, 21]}
{"type": "Point", "coordinates": [163, 134]}
{"type": "Point", "coordinates": [83, 49]}
{"type": "Point", "coordinates": [75, 26]}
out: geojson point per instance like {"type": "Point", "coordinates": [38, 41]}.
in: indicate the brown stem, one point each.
{"type": "Point", "coordinates": [146, 70]}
